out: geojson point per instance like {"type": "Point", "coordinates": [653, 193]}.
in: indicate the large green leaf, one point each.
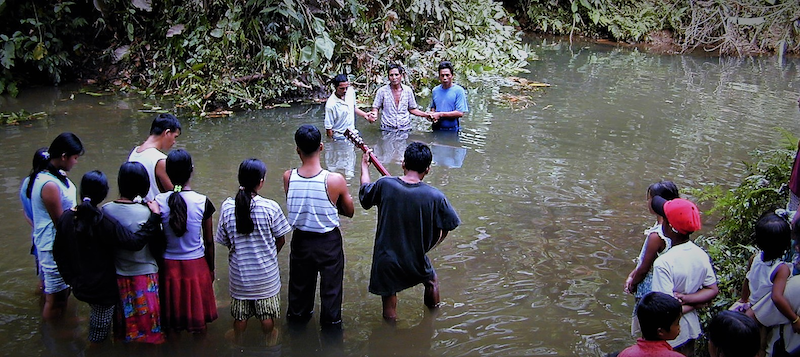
{"type": "Point", "coordinates": [324, 45]}
{"type": "Point", "coordinates": [7, 56]}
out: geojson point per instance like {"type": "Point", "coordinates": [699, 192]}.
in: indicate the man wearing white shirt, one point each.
{"type": "Point", "coordinates": [340, 109]}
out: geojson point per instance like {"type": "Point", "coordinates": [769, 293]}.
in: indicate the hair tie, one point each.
{"type": "Point", "coordinates": [137, 199]}
{"type": "Point", "coordinates": [786, 215]}
{"type": "Point", "coordinates": [177, 188]}
{"type": "Point", "coordinates": [46, 155]}
{"type": "Point", "coordinates": [87, 199]}
{"type": "Point", "coordinates": [241, 188]}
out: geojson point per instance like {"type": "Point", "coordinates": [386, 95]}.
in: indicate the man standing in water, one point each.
{"type": "Point", "coordinates": [163, 133]}
{"type": "Point", "coordinates": [448, 101]}
{"type": "Point", "coordinates": [341, 110]}
{"type": "Point", "coordinates": [413, 218]}
{"type": "Point", "coordinates": [315, 198]}
{"type": "Point", "coordinates": [396, 102]}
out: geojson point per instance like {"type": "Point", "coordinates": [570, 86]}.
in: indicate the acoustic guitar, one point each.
{"type": "Point", "coordinates": [358, 142]}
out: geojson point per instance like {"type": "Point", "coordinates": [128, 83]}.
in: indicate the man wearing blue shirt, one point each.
{"type": "Point", "coordinates": [448, 100]}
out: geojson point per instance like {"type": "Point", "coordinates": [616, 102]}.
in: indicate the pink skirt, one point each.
{"type": "Point", "coordinates": [188, 295]}
{"type": "Point", "coordinates": [138, 316]}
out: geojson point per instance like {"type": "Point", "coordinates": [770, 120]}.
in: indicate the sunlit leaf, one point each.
{"type": "Point", "coordinates": [39, 51]}
{"type": "Point", "coordinates": [142, 5]}
{"type": "Point", "coordinates": [175, 30]}
{"type": "Point", "coordinates": [217, 33]}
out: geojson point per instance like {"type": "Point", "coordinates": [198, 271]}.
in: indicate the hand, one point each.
{"type": "Point", "coordinates": [629, 288]}
{"type": "Point", "coordinates": [365, 158]}
{"type": "Point", "coordinates": [678, 296]}
{"type": "Point", "coordinates": [371, 117]}
{"type": "Point", "coordinates": [434, 116]}
{"type": "Point", "coordinates": [796, 327]}
{"type": "Point", "coordinates": [153, 206]}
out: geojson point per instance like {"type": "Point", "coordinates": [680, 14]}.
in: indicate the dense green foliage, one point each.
{"type": "Point", "coordinates": [732, 28]}
{"type": "Point", "coordinates": [227, 53]}
{"type": "Point", "coordinates": [730, 244]}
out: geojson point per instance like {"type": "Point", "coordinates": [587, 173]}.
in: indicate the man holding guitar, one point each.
{"type": "Point", "coordinates": [413, 218]}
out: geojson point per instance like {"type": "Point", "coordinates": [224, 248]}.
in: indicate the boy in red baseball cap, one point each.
{"type": "Point", "coordinates": [685, 270]}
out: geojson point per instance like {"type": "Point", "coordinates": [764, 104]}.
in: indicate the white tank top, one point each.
{"type": "Point", "coordinates": [149, 158]}
{"type": "Point", "coordinates": [310, 208]}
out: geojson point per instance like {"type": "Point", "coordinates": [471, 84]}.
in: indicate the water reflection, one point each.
{"type": "Point", "coordinates": [340, 157]}
{"type": "Point", "coordinates": [550, 197]}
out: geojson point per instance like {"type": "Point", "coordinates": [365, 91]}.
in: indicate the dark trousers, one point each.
{"type": "Point", "coordinates": [312, 254]}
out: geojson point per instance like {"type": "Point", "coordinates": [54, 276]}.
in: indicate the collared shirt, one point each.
{"type": "Point", "coordinates": [395, 116]}
{"type": "Point", "coordinates": [340, 113]}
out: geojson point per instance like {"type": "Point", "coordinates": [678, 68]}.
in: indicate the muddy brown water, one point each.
{"type": "Point", "coordinates": [551, 194]}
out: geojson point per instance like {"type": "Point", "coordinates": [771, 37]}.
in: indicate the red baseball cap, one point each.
{"type": "Point", "coordinates": [681, 214]}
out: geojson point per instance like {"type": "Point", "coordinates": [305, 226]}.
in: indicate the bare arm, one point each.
{"type": "Point", "coordinates": [435, 116]}
{"type": "Point", "coordinates": [369, 116]}
{"type": "Point", "coordinates": [702, 296]}
{"type": "Point", "coordinates": [279, 243]}
{"type": "Point", "coordinates": [51, 196]}
{"type": "Point", "coordinates": [339, 194]}
{"type": "Point", "coordinates": [442, 235]}
{"type": "Point", "coordinates": [208, 242]}
{"type": "Point", "coordinates": [653, 245]}
{"type": "Point", "coordinates": [164, 183]}
{"type": "Point", "coordinates": [286, 176]}
{"type": "Point", "coordinates": [365, 168]}
{"type": "Point", "coordinates": [783, 305]}
{"type": "Point", "coordinates": [419, 113]}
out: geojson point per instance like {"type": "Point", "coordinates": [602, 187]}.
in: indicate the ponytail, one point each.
{"type": "Point", "coordinates": [177, 212]}
{"type": "Point", "coordinates": [244, 223]}
{"type": "Point", "coordinates": [251, 173]}
{"type": "Point", "coordinates": [41, 159]}
{"type": "Point", "coordinates": [179, 169]}
{"type": "Point", "coordinates": [94, 189]}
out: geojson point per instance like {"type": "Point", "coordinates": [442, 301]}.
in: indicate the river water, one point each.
{"type": "Point", "coordinates": [550, 191]}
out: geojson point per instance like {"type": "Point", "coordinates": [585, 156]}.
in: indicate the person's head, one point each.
{"type": "Point", "coordinates": [65, 150]}
{"type": "Point", "coordinates": [179, 166]}
{"type": "Point", "coordinates": [133, 180]}
{"type": "Point", "coordinates": [733, 334]}
{"type": "Point", "coordinates": [659, 316]}
{"type": "Point", "coordinates": [417, 157]}
{"type": "Point", "coordinates": [167, 127]}
{"type": "Point", "coordinates": [62, 154]}
{"type": "Point", "coordinates": [94, 189]}
{"type": "Point", "coordinates": [251, 178]}
{"type": "Point", "coordinates": [179, 169]}
{"type": "Point", "coordinates": [308, 140]}
{"type": "Point", "coordinates": [340, 85]}
{"type": "Point", "coordinates": [445, 69]}
{"type": "Point", "coordinates": [773, 235]}
{"type": "Point", "coordinates": [666, 189]}
{"type": "Point", "coordinates": [395, 73]}
{"type": "Point", "coordinates": [681, 216]}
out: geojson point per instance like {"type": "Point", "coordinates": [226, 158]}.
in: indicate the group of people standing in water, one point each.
{"type": "Point", "coordinates": [144, 262]}
{"type": "Point", "coordinates": [674, 277]}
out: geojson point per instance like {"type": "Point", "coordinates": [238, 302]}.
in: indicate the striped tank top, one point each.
{"type": "Point", "coordinates": [310, 208]}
